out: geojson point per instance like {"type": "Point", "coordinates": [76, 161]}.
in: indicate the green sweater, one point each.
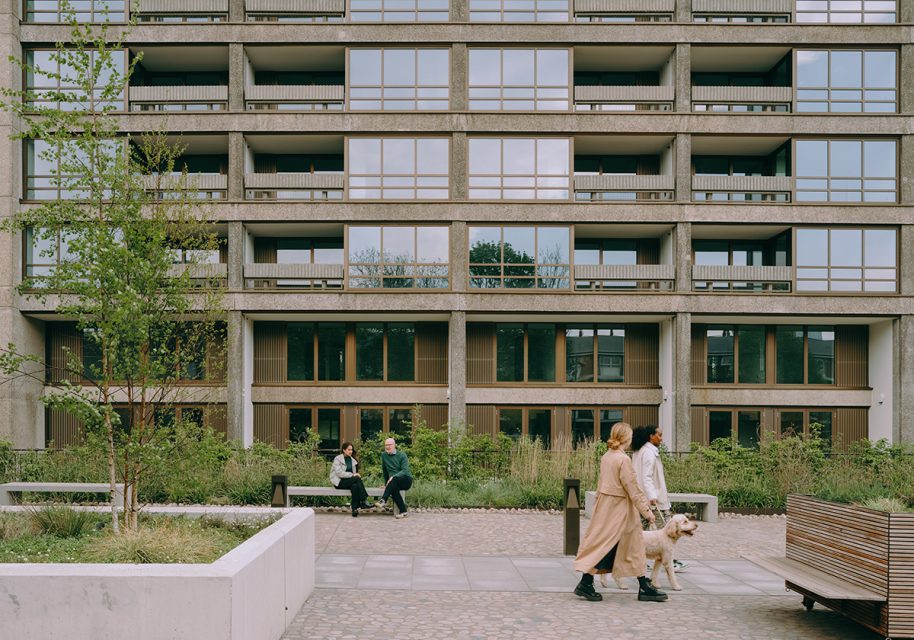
{"type": "Point", "coordinates": [395, 465]}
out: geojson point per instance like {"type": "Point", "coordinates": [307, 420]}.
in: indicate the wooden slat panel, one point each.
{"type": "Point", "coordinates": [851, 346]}
{"type": "Point", "coordinates": [265, 250]}
{"type": "Point", "coordinates": [349, 428]}
{"type": "Point", "coordinates": [62, 429]}
{"type": "Point", "coordinates": [900, 621]}
{"type": "Point", "coordinates": [216, 354]}
{"type": "Point", "coordinates": [270, 424]}
{"type": "Point", "coordinates": [642, 352]}
{"type": "Point", "coordinates": [481, 419]}
{"type": "Point", "coordinates": [699, 362]}
{"type": "Point", "coordinates": [641, 415]}
{"type": "Point", "coordinates": [699, 426]}
{"type": "Point", "coordinates": [435, 416]}
{"type": "Point", "coordinates": [480, 353]}
{"type": "Point", "coordinates": [270, 355]}
{"type": "Point", "coordinates": [431, 351]}
{"type": "Point", "coordinates": [851, 425]}
{"type": "Point", "coordinates": [216, 418]}
{"type": "Point", "coordinates": [62, 336]}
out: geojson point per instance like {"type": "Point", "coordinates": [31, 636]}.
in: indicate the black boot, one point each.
{"type": "Point", "coordinates": [648, 592]}
{"type": "Point", "coordinates": [585, 589]}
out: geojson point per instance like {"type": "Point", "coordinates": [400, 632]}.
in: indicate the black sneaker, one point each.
{"type": "Point", "coordinates": [366, 505]}
{"type": "Point", "coordinates": [355, 514]}
{"type": "Point", "coordinates": [647, 592]}
{"type": "Point", "coordinates": [587, 592]}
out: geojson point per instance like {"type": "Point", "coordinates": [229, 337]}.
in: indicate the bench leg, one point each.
{"type": "Point", "coordinates": [6, 497]}
{"type": "Point", "coordinates": [711, 512]}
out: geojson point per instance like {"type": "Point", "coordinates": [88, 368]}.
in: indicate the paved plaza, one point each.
{"type": "Point", "coordinates": [477, 574]}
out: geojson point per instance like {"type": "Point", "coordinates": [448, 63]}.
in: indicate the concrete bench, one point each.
{"type": "Point", "coordinates": [707, 504]}
{"type": "Point", "coordinates": [10, 493]}
{"type": "Point", "coordinates": [331, 491]}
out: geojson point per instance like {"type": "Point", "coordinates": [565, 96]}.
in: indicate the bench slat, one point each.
{"type": "Point", "coordinates": [814, 580]}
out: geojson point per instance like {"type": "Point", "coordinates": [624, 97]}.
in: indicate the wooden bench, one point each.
{"type": "Point", "coordinates": [707, 504]}
{"type": "Point", "coordinates": [331, 491]}
{"type": "Point", "coordinates": [11, 492]}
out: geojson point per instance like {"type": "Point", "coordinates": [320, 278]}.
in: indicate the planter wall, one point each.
{"type": "Point", "coordinates": [866, 548]}
{"type": "Point", "coordinates": [252, 592]}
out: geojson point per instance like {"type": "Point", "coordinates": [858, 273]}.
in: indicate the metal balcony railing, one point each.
{"type": "Point", "coordinates": [180, 7]}
{"type": "Point", "coordinates": [290, 7]}
{"type": "Point", "coordinates": [737, 277]}
{"type": "Point", "coordinates": [724, 7]}
{"type": "Point", "coordinates": [624, 94]}
{"type": "Point", "coordinates": [743, 95]}
{"type": "Point", "coordinates": [294, 93]}
{"type": "Point", "coordinates": [632, 7]}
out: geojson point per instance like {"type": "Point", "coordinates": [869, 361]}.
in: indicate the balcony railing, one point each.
{"type": "Point", "coordinates": [200, 271]}
{"type": "Point", "coordinates": [741, 278]}
{"type": "Point", "coordinates": [590, 187]}
{"type": "Point", "coordinates": [291, 7]}
{"type": "Point", "coordinates": [771, 98]}
{"type": "Point", "coordinates": [631, 7]}
{"type": "Point", "coordinates": [747, 7]}
{"type": "Point", "coordinates": [261, 96]}
{"type": "Point", "coordinates": [775, 188]}
{"type": "Point", "coordinates": [213, 97]}
{"type": "Point", "coordinates": [659, 97]}
{"type": "Point", "coordinates": [624, 276]}
{"type": "Point", "coordinates": [304, 186]}
{"type": "Point", "coordinates": [203, 186]}
{"type": "Point", "coordinates": [259, 275]}
{"type": "Point", "coordinates": [180, 7]}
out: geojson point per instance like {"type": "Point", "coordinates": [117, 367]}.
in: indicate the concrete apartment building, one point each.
{"type": "Point", "coordinates": [535, 216]}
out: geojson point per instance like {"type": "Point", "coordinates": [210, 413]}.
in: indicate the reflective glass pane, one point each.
{"type": "Point", "coordinates": [541, 353]}
{"type": "Point", "coordinates": [879, 158]}
{"type": "Point", "coordinates": [812, 247]}
{"type": "Point", "coordinates": [300, 355]}
{"type": "Point", "coordinates": [485, 67]}
{"type": "Point", "coordinates": [789, 348]}
{"type": "Point", "coordinates": [720, 425]}
{"type": "Point", "coordinates": [399, 66]}
{"type": "Point", "coordinates": [846, 69]}
{"type": "Point", "coordinates": [579, 364]}
{"type": "Point", "coordinates": [401, 353]}
{"type": "Point", "coordinates": [552, 67]}
{"type": "Point", "coordinates": [720, 341]}
{"type": "Point", "coordinates": [821, 355]}
{"type": "Point", "coordinates": [517, 67]}
{"type": "Point", "coordinates": [331, 351]}
{"type": "Point", "coordinates": [845, 159]}
{"type": "Point", "coordinates": [365, 67]}
{"type": "Point", "coordinates": [846, 247]}
{"type": "Point", "coordinates": [509, 352]}
{"type": "Point", "coordinates": [485, 155]}
{"type": "Point", "coordinates": [880, 247]}
{"type": "Point", "coordinates": [752, 354]}
{"type": "Point", "coordinates": [812, 68]}
{"type": "Point", "coordinates": [369, 351]}
{"type": "Point", "coordinates": [812, 158]}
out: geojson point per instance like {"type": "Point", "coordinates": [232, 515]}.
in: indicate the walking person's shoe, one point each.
{"type": "Point", "coordinates": [647, 592]}
{"type": "Point", "coordinates": [355, 514]}
{"type": "Point", "coordinates": [380, 504]}
{"type": "Point", "coordinates": [366, 505]}
{"type": "Point", "coordinates": [679, 566]}
{"type": "Point", "coordinates": [585, 590]}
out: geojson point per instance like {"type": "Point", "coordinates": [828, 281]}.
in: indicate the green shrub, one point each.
{"type": "Point", "coordinates": [62, 522]}
{"type": "Point", "coordinates": [164, 540]}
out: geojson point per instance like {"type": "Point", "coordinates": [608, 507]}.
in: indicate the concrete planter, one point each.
{"type": "Point", "coordinates": [252, 592]}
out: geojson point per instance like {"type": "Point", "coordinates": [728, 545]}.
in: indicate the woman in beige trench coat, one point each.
{"type": "Point", "coordinates": [613, 541]}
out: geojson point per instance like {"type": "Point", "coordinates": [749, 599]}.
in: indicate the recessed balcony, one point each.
{"type": "Point", "coordinates": [752, 258]}
{"type": "Point", "coordinates": [741, 169]}
{"type": "Point", "coordinates": [624, 10]}
{"type": "Point", "coordinates": [200, 172]}
{"type": "Point", "coordinates": [179, 79]}
{"type": "Point", "coordinates": [623, 168]}
{"type": "Point", "coordinates": [182, 10]}
{"type": "Point", "coordinates": [295, 78]}
{"type": "Point", "coordinates": [743, 8]}
{"type": "Point", "coordinates": [623, 79]}
{"type": "Point", "coordinates": [294, 256]}
{"type": "Point", "coordinates": [295, 10]}
{"type": "Point", "coordinates": [623, 257]}
{"type": "Point", "coordinates": [742, 79]}
{"type": "Point", "coordinates": [294, 168]}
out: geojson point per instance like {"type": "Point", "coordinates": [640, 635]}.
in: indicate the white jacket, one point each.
{"type": "Point", "coordinates": [649, 471]}
{"type": "Point", "coordinates": [338, 469]}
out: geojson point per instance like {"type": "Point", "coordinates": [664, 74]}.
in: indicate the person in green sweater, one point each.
{"type": "Point", "coordinates": [396, 475]}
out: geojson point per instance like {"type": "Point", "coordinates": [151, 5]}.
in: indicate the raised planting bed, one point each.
{"type": "Point", "coordinates": [253, 591]}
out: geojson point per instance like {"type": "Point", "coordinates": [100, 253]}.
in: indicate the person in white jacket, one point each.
{"type": "Point", "coordinates": [649, 470]}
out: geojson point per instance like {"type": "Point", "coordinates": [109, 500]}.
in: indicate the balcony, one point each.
{"type": "Point", "coordinates": [754, 258]}
{"type": "Point", "coordinates": [741, 79]}
{"type": "Point", "coordinates": [201, 186]}
{"type": "Point", "coordinates": [769, 98]}
{"type": "Point", "coordinates": [647, 98]}
{"type": "Point", "coordinates": [303, 276]}
{"type": "Point", "coordinates": [200, 271]}
{"type": "Point", "coordinates": [295, 78]}
{"type": "Point", "coordinates": [304, 97]}
{"type": "Point", "coordinates": [774, 186]}
{"type": "Point", "coordinates": [178, 78]}
{"type": "Point", "coordinates": [310, 257]}
{"type": "Point", "coordinates": [598, 277]}
{"type": "Point", "coordinates": [623, 10]}
{"type": "Point", "coordinates": [636, 78]}
{"type": "Point", "coordinates": [623, 257]}
{"type": "Point", "coordinates": [297, 186]}
{"type": "Point", "coordinates": [182, 10]}
{"type": "Point", "coordinates": [294, 10]}
{"type": "Point", "coordinates": [623, 168]}
{"type": "Point", "coordinates": [587, 187]}
{"type": "Point", "coordinates": [748, 278]}
{"type": "Point", "coordinates": [199, 98]}
{"type": "Point", "coordinates": [743, 7]}
{"type": "Point", "coordinates": [293, 167]}
{"type": "Point", "coordinates": [741, 169]}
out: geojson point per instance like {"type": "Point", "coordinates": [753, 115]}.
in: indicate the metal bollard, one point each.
{"type": "Point", "coordinates": [572, 515]}
{"type": "Point", "coordinates": [280, 492]}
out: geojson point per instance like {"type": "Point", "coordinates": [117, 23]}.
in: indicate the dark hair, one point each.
{"type": "Point", "coordinates": [642, 435]}
{"type": "Point", "coordinates": [345, 446]}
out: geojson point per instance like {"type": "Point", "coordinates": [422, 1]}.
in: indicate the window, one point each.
{"type": "Point", "coordinates": [44, 251]}
{"type": "Point", "coordinates": [398, 168]}
{"type": "Point", "coordinates": [300, 338]}
{"type": "Point", "coordinates": [805, 355]}
{"type": "Point", "coordinates": [51, 82]}
{"type": "Point", "coordinates": [518, 79]}
{"type": "Point", "coordinates": [53, 174]}
{"type": "Point", "coordinates": [385, 351]}
{"type": "Point", "coordinates": [533, 422]}
{"type": "Point", "coordinates": [593, 424]}
{"type": "Point", "coordinates": [846, 11]}
{"type": "Point", "coordinates": [519, 257]}
{"type": "Point", "coordinates": [395, 421]}
{"type": "Point", "coordinates": [308, 251]}
{"type": "Point", "coordinates": [860, 260]}
{"type": "Point", "coordinates": [523, 11]}
{"type": "Point", "coordinates": [398, 79]}
{"type": "Point", "coordinates": [748, 427]}
{"type": "Point", "coordinates": [736, 354]}
{"type": "Point", "coordinates": [525, 353]}
{"type": "Point", "coordinates": [802, 422]}
{"type": "Point", "coordinates": [846, 171]}
{"type": "Point", "coordinates": [519, 168]}
{"type": "Point", "coordinates": [84, 11]}
{"type": "Point", "coordinates": [328, 428]}
{"type": "Point", "coordinates": [330, 340]}
{"type": "Point", "coordinates": [393, 257]}
{"type": "Point", "coordinates": [331, 351]}
{"type": "Point", "coordinates": [847, 81]}
{"type": "Point", "coordinates": [773, 251]}
{"type": "Point", "coordinates": [594, 353]}
{"type": "Point", "coordinates": [398, 10]}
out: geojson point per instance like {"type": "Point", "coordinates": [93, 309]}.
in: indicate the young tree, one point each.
{"type": "Point", "coordinates": [146, 325]}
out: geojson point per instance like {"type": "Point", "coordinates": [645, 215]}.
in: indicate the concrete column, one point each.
{"type": "Point", "coordinates": [460, 11]}
{"type": "Point", "coordinates": [683, 11]}
{"type": "Point", "coordinates": [667, 375]}
{"type": "Point", "coordinates": [236, 76]}
{"type": "Point", "coordinates": [906, 184]}
{"type": "Point", "coordinates": [906, 75]}
{"type": "Point", "coordinates": [682, 381]}
{"type": "Point", "coordinates": [236, 10]}
{"type": "Point", "coordinates": [459, 166]}
{"type": "Point", "coordinates": [905, 12]}
{"type": "Point", "coordinates": [459, 267]}
{"type": "Point", "coordinates": [457, 368]}
{"type": "Point", "coordinates": [906, 264]}
{"type": "Point", "coordinates": [682, 75]}
{"type": "Point", "coordinates": [905, 387]}
{"type": "Point", "coordinates": [239, 378]}
{"type": "Point", "coordinates": [236, 243]}
{"type": "Point", "coordinates": [236, 166]}
{"type": "Point", "coordinates": [459, 66]}
{"type": "Point", "coordinates": [683, 256]}
{"type": "Point", "coordinates": [682, 148]}
{"type": "Point", "coordinates": [21, 411]}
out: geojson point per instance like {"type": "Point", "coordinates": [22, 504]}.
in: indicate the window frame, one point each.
{"type": "Point", "coordinates": [503, 267]}
{"type": "Point", "coordinates": [381, 176]}
{"type": "Point", "coordinates": [863, 280]}
{"type": "Point", "coordinates": [381, 265]}
{"type": "Point", "coordinates": [827, 88]}
{"type": "Point", "coordinates": [504, 192]}
{"type": "Point", "coordinates": [96, 14]}
{"type": "Point", "coordinates": [829, 13]}
{"type": "Point", "coordinates": [828, 190]}
{"type": "Point", "coordinates": [502, 12]}
{"type": "Point", "coordinates": [526, 356]}
{"type": "Point", "coordinates": [416, 14]}
{"type": "Point", "coordinates": [595, 353]}
{"type": "Point", "coordinates": [416, 87]}
{"type": "Point", "coordinates": [91, 101]}
{"type": "Point", "coordinates": [525, 421]}
{"type": "Point", "coordinates": [535, 88]}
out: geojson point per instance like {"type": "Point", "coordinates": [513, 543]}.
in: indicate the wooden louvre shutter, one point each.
{"type": "Point", "coordinates": [641, 415]}
{"type": "Point", "coordinates": [482, 420]}
{"type": "Point", "coordinates": [642, 352]}
{"type": "Point", "coordinates": [64, 343]}
{"type": "Point", "coordinates": [215, 416]}
{"type": "Point", "coordinates": [435, 416]}
{"type": "Point", "coordinates": [216, 354]}
{"type": "Point", "coordinates": [271, 424]}
{"type": "Point", "coordinates": [851, 424]}
{"type": "Point", "coordinates": [699, 426]}
{"type": "Point", "coordinates": [699, 360]}
{"type": "Point", "coordinates": [62, 429]}
{"type": "Point", "coordinates": [851, 362]}
{"type": "Point", "coordinates": [480, 353]}
{"type": "Point", "coordinates": [431, 352]}
{"type": "Point", "coordinates": [270, 356]}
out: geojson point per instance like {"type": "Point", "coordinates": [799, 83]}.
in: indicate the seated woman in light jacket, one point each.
{"type": "Point", "coordinates": [344, 474]}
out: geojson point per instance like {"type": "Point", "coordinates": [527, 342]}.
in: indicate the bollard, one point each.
{"type": "Point", "coordinates": [572, 515]}
{"type": "Point", "coordinates": [280, 492]}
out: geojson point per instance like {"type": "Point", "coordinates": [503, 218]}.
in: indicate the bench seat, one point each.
{"type": "Point", "coordinates": [814, 580]}
{"type": "Point", "coordinates": [331, 491]}
{"type": "Point", "coordinates": [11, 490]}
{"type": "Point", "coordinates": [707, 504]}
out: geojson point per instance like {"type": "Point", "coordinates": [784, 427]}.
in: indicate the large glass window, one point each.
{"type": "Point", "coordinates": [720, 354]}
{"type": "Point", "coordinates": [51, 84]}
{"type": "Point", "coordinates": [518, 79]}
{"type": "Point", "coordinates": [846, 170]}
{"type": "Point", "coordinates": [44, 250]}
{"type": "Point", "coordinates": [395, 257]}
{"type": "Point", "coordinates": [51, 173]}
{"type": "Point", "coordinates": [847, 11]}
{"type": "Point", "coordinates": [519, 257]}
{"type": "Point", "coordinates": [789, 346]}
{"type": "Point", "coordinates": [519, 168]}
{"type": "Point", "coordinates": [861, 260]}
{"type": "Point", "coordinates": [847, 81]}
{"type": "Point", "coordinates": [50, 11]}
{"type": "Point", "coordinates": [398, 168]}
{"type": "Point", "coordinates": [519, 11]}
{"type": "Point", "coordinates": [300, 360]}
{"type": "Point", "coordinates": [511, 422]}
{"type": "Point", "coordinates": [331, 351]}
{"type": "Point", "coordinates": [398, 10]}
{"type": "Point", "coordinates": [328, 428]}
{"type": "Point", "coordinates": [525, 352]}
{"type": "Point", "coordinates": [385, 351]}
{"type": "Point", "coordinates": [805, 355]}
{"type": "Point", "coordinates": [398, 79]}
{"type": "Point", "coordinates": [798, 422]}
{"type": "Point", "coordinates": [736, 354]}
{"type": "Point", "coordinates": [594, 353]}
{"type": "Point", "coordinates": [534, 423]}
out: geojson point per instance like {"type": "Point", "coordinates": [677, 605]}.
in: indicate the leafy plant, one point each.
{"type": "Point", "coordinates": [62, 522]}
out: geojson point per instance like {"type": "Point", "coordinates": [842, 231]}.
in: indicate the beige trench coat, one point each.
{"type": "Point", "coordinates": [615, 519]}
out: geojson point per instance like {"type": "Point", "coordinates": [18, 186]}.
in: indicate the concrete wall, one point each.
{"type": "Point", "coordinates": [251, 593]}
{"type": "Point", "coordinates": [881, 376]}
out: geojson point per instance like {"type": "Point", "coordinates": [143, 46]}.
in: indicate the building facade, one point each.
{"type": "Point", "coordinates": [531, 216]}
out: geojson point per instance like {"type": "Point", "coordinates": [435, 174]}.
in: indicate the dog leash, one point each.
{"type": "Point", "coordinates": [659, 521]}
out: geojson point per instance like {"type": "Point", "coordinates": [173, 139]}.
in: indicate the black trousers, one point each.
{"type": "Point", "coordinates": [393, 489]}
{"type": "Point", "coordinates": [355, 485]}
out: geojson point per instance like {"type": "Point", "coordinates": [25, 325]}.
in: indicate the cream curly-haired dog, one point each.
{"type": "Point", "coordinates": [658, 546]}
